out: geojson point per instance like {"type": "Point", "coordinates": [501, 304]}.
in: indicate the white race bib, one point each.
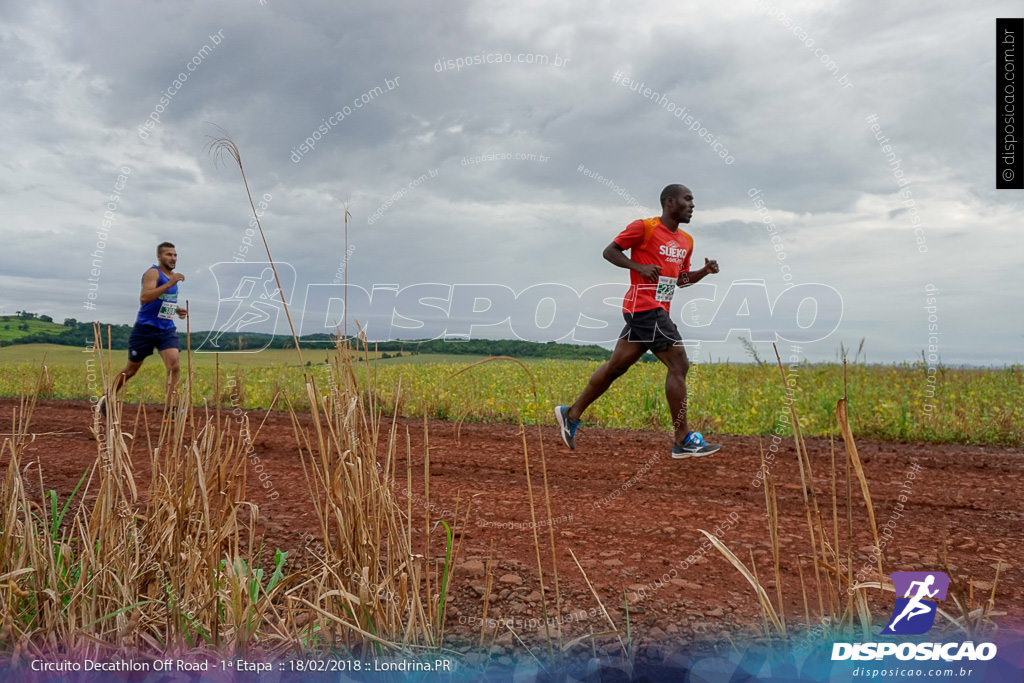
{"type": "Point", "coordinates": [168, 309]}
{"type": "Point", "coordinates": [666, 288]}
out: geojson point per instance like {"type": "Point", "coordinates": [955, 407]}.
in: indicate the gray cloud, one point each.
{"type": "Point", "coordinates": [79, 80]}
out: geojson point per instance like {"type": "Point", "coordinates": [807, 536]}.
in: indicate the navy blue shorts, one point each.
{"type": "Point", "coordinates": [653, 328]}
{"type": "Point", "coordinates": [145, 338]}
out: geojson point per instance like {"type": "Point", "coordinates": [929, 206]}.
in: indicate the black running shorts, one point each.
{"type": "Point", "coordinates": [144, 338]}
{"type": "Point", "coordinates": [654, 328]}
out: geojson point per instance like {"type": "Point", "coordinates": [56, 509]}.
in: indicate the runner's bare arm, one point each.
{"type": "Point", "coordinates": [695, 276]}
{"type": "Point", "coordinates": [616, 255]}
{"type": "Point", "coordinates": [150, 290]}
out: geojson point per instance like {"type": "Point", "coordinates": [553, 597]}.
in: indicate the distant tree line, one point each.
{"type": "Point", "coordinates": [81, 334]}
{"type": "Point", "coordinates": [26, 315]}
{"type": "Point", "coordinates": [475, 347]}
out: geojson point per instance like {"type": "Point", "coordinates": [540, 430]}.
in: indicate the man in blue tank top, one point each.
{"type": "Point", "coordinates": [154, 326]}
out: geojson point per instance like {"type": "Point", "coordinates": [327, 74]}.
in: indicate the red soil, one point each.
{"type": "Point", "coordinates": [631, 515]}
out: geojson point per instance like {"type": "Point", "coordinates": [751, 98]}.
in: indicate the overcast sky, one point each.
{"type": "Point", "coordinates": [784, 88]}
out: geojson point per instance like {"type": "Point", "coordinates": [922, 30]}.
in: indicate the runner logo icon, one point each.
{"type": "Point", "coordinates": [914, 613]}
{"type": "Point", "coordinates": [249, 300]}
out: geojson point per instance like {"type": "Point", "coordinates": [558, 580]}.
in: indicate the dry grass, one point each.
{"type": "Point", "coordinates": [176, 569]}
{"type": "Point", "coordinates": [838, 603]}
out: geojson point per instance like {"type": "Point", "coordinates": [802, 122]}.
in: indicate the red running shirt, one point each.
{"type": "Point", "coordinates": [670, 250]}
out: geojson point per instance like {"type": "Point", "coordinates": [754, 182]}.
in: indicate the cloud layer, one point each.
{"type": "Point", "coordinates": [454, 136]}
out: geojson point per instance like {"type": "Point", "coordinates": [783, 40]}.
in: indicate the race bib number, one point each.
{"type": "Point", "coordinates": [666, 288]}
{"type": "Point", "coordinates": [168, 309]}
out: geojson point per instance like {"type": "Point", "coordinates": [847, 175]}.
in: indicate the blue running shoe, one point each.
{"type": "Point", "coordinates": [694, 447]}
{"type": "Point", "coordinates": [566, 426]}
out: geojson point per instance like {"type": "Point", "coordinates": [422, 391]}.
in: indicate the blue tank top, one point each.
{"type": "Point", "coordinates": [160, 312]}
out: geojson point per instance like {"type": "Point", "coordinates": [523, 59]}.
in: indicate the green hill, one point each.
{"type": "Point", "coordinates": [13, 328]}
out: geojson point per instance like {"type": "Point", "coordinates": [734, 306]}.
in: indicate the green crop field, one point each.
{"type": "Point", "coordinates": [965, 405]}
{"type": "Point", "coordinates": [58, 355]}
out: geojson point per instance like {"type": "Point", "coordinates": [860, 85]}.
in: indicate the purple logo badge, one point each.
{"type": "Point", "coordinates": [914, 613]}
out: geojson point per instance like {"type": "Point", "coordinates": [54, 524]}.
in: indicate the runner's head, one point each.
{"type": "Point", "coordinates": [677, 203]}
{"type": "Point", "coordinates": [166, 256]}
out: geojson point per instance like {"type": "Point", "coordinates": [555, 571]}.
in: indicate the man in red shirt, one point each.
{"type": "Point", "coordinates": [659, 261]}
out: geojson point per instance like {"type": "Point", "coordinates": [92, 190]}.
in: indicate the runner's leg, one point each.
{"type": "Point", "coordinates": [624, 355]}
{"type": "Point", "coordinates": [170, 357]}
{"type": "Point", "coordinates": [129, 371]}
{"type": "Point", "coordinates": [677, 364]}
